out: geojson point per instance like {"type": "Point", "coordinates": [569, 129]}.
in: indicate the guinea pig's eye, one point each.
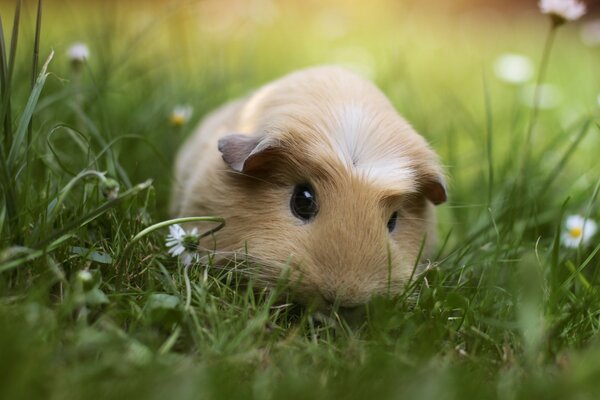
{"type": "Point", "coordinates": [392, 221]}
{"type": "Point", "coordinates": [303, 202]}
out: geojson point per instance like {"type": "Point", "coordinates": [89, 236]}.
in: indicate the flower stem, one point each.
{"type": "Point", "coordinates": [188, 288]}
{"type": "Point", "coordinates": [178, 221]}
{"type": "Point", "coordinates": [538, 92]}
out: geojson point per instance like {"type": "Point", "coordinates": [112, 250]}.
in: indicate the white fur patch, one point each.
{"type": "Point", "coordinates": [362, 144]}
{"type": "Point", "coordinates": [387, 175]}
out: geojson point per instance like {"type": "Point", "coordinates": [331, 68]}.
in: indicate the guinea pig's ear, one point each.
{"type": "Point", "coordinates": [434, 189]}
{"type": "Point", "coordinates": [430, 175]}
{"type": "Point", "coordinates": [246, 153]}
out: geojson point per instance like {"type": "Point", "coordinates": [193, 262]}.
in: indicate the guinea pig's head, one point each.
{"type": "Point", "coordinates": [330, 184]}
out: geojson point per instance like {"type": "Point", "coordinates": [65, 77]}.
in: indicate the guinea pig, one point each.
{"type": "Point", "coordinates": [315, 174]}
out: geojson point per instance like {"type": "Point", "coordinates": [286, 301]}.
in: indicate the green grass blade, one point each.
{"type": "Point", "coordinates": [4, 117]}
{"type": "Point", "coordinates": [579, 269]}
{"type": "Point", "coordinates": [92, 215]}
{"type": "Point", "coordinates": [36, 44]}
{"type": "Point", "coordinates": [489, 127]}
{"type": "Point", "coordinates": [565, 158]}
{"type": "Point", "coordinates": [14, 39]}
{"type": "Point", "coordinates": [33, 254]}
{"type": "Point", "coordinates": [26, 187]}
{"type": "Point", "coordinates": [3, 63]}
{"type": "Point", "coordinates": [36, 56]}
{"type": "Point", "coordinates": [6, 103]}
{"type": "Point", "coordinates": [56, 204]}
{"type": "Point", "coordinates": [5, 143]}
{"type": "Point", "coordinates": [9, 195]}
{"type": "Point", "coordinates": [28, 113]}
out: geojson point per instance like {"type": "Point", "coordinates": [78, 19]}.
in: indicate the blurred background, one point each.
{"type": "Point", "coordinates": [435, 60]}
{"type": "Point", "coordinates": [506, 311]}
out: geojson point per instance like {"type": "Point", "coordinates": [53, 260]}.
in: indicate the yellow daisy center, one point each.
{"type": "Point", "coordinates": [177, 119]}
{"type": "Point", "coordinates": [575, 232]}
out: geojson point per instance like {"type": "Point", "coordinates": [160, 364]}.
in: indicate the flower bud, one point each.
{"type": "Point", "coordinates": [110, 189]}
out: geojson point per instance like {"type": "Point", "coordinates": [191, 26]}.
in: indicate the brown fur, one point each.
{"type": "Point", "coordinates": [337, 131]}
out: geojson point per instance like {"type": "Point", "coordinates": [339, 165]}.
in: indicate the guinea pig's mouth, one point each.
{"type": "Point", "coordinates": [324, 313]}
{"type": "Point", "coordinates": [316, 302]}
{"type": "Point", "coordinates": [292, 287]}
{"type": "Point", "coordinates": [353, 316]}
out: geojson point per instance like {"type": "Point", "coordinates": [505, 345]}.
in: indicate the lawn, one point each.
{"type": "Point", "coordinates": [91, 309]}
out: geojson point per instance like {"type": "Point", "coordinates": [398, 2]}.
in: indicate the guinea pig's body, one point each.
{"type": "Point", "coordinates": [315, 173]}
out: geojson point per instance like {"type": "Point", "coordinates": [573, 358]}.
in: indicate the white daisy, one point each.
{"type": "Point", "coordinates": [579, 230]}
{"type": "Point", "coordinates": [562, 10]}
{"type": "Point", "coordinates": [181, 114]}
{"type": "Point", "coordinates": [513, 68]}
{"type": "Point", "coordinates": [78, 53]}
{"type": "Point", "coordinates": [183, 244]}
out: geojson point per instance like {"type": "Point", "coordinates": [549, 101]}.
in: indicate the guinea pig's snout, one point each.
{"type": "Point", "coordinates": [345, 298]}
{"type": "Point", "coordinates": [350, 309]}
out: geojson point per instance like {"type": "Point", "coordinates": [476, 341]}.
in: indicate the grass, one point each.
{"type": "Point", "coordinates": [505, 312]}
